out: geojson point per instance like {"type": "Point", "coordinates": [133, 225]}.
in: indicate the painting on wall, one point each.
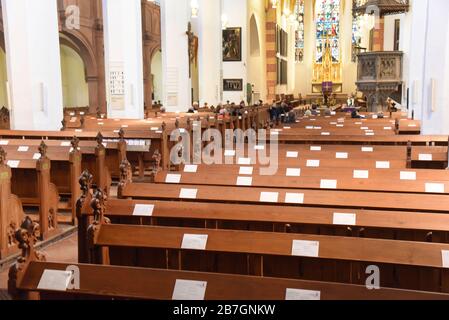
{"type": "Point", "coordinates": [232, 44]}
{"type": "Point", "coordinates": [232, 84]}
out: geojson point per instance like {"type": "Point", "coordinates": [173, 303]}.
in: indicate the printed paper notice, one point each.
{"type": "Point", "coordinates": [186, 290]}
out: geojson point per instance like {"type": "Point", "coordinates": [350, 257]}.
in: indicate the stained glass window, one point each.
{"type": "Point", "coordinates": [327, 27]}
{"type": "Point", "coordinates": [299, 33]}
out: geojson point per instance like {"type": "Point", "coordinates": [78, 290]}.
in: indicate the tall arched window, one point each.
{"type": "Point", "coordinates": [327, 27]}
{"type": "Point", "coordinates": [299, 33]}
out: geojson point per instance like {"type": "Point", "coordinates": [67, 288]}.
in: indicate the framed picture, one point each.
{"type": "Point", "coordinates": [232, 44]}
{"type": "Point", "coordinates": [232, 84]}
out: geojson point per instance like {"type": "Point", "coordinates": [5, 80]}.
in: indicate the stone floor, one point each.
{"type": "Point", "coordinates": [62, 251]}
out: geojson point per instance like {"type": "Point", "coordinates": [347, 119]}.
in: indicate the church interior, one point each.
{"type": "Point", "coordinates": [229, 150]}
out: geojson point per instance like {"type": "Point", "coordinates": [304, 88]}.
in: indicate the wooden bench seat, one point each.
{"type": "Point", "coordinates": [412, 226]}
{"type": "Point", "coordinates": [339, 182]}
{"type": "Point", "coordinates": [405, 265]}
{"type": "Point", "coordinates": [322, 198]}
{"type": "Point", "coordinates": [112, 282]}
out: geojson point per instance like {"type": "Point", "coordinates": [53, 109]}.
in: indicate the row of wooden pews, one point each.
{"type": "Point", "coordinates": [338, 206]}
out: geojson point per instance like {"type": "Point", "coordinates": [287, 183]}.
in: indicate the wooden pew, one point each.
{"type": "Point", "coordinates": [290, 197]}
{"type": "Point", "coordinates": [66, 158]}
{"type": "Point", "coordinates": [405, 265]}
{"type": "Point", "coordinates": [123, 283]}
{"type": "Point", "coordinates": [31, 182]}
{"type": "Point", "coordinates": [384, 224]}
{"type": "Point", "coordinates": [335, 181]}
{"type": "Point", "coordinates": [11, 211]}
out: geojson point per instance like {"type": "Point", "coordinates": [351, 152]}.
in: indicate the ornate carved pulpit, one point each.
{"type": "Point", "coordinates": [379, 74]}
{"type": "Point", "coordinates": [384, 7]}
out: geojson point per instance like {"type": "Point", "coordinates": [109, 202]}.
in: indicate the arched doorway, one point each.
{"type": "Point", "coordinates": [156, 75]}
{"type": "Point", "coordinates": [93, 75]}
{"type": "Point", "coordinates": [74, 84]}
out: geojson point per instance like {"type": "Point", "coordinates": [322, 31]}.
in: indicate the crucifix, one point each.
{"type": "Point", "coordinates": [191, 47]}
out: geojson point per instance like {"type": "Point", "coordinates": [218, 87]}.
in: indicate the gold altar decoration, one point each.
{"type": "Point", "coordinates": [327, 70]}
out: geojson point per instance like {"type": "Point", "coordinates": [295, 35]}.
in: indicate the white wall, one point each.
{"type": "Point", "coordinates": [175, 15]}
{"type": "Point", "coordinates": [33, 63]}
{"type": "Point", "coordinates": [74, 85]}
{"type": "Point", "coordinates": [237, 13]}
{"type": "Point", "coordinates": [123, 51]}
{"type": "Point", "coordinates": [257, 62]}
{"type": "Point", "coordinates": [3, 80]}
{"type": "Point", "coordinates": [429, 62]}
{"type": "Point", "coordinates": [156, 71]}
{"type": "Point", "coordinates": [208, 28]}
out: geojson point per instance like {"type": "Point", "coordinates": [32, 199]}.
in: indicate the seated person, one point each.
{"type": "Point", "coordinates": [355, 115]}
{"type": "Point", "coordinates": [308, 113]}
{"type": "Point", "coordinates": [195, 106]}
{"type": "Point", "coordinates": [163, 110]}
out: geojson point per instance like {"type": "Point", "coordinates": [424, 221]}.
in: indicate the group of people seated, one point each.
{"type": "Point", "coordinates": [282, 112]}
{"type": "Point", "coordinates": [228, 109]}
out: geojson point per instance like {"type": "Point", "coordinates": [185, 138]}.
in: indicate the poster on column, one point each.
{"type": "Point", "coordinates": [116, 86]}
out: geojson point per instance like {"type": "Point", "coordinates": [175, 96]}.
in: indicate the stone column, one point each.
{"type": "Point", "coordinates": [123, 58]}
{"type": "Point", "coordinates": [33, 64]}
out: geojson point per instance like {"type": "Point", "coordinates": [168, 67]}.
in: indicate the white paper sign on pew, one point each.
{"type": "Point", "coordinates": [143, 210]}
{"type": "Point", "coordinates": [367, 149]}
{"type": "Point", "coordinates": [435, 188]}
{"type": "Point", "coordinates": [408, 175]}
{"type": "Point", "coordinates": [382, 164]}
{"type": "Point", "coordinates": [313, 163]}
{"type": "Point", "coordinates": [190, 168]}
{"type": "Point", "coordinates": [361, 174]}
{"type": "Point", "coordinates": [344, 219]}
{"type": "Point", "coordinates": [37, 156]}
{"type": "Point", "coordinates": [245, 181]}
{"type": "Point", "coordinates": [187, 290]}
{"type": "Point", "coordinates": [303, 248]}
{"type": "Point", "coordinates": [294, 198]}
{"type": "Point", "coordinates": [293, 172]}
{"type": "Point", "coordinates": [4, 142]}
{"type": "Point", "coordinates": [188, 193]}
{"type": "Point", "coordinates": [246, 171]}
{"type": "Point", "coordinates": [328, 184]}
{"type": "Point", "coordinates": [23, 149]}
{"type": "Point", "coordinates": [445, 258]}
{"type": "Point", "coordinates": [302, 295]}
{"type": "Point", "coordinates": [315, 148]}
{"type": "Point", "coordinates": [341, 155]}
{"type": "Point", "coordinates": [292, 154]}
{"type": "Point", "coordinates": [270, 197]}
{"type": "Point", "coordinates": [13, 163]}
{"type": "Point", "coordinates": [55, 280]}
{"type": "Point", "coordinates": [229, 153]}
{"type": "Point", "coordinates": [66, 144]}
{"type": "Point", "coordinates": [425, 157]}
{"type": "Point", "coordinates": [173, 178]}
{"type": "Point", "coordinates": [194, 241]}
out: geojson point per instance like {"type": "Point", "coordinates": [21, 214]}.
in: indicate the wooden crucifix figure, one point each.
{"type": "Point", "coordinates": [191, 47]}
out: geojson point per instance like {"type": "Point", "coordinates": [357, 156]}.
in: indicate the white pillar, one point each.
{"type": "Point", "coordinates": [429, 61]}
{"type": "Point", "coordinates": [33, 63]}
{"type": "Point", "coordinates": [123, 58]}
{"type": "Point", "coordinates": [237, 13]}
{"type": "Point", "coordinates": [209, 51]}
{"type": "Point", "coordinates": [176, 83]}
